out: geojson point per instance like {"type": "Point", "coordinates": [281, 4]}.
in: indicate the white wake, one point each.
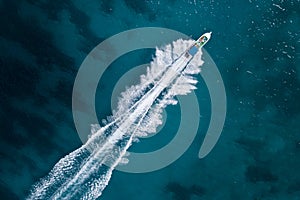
{"type": "Point", "coordinates": [84, 173]}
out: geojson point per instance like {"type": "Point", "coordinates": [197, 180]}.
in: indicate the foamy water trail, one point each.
{"type": "Point", "coordinates": [85, 172]}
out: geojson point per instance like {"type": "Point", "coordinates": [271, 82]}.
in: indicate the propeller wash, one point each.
{"type": "Point", "coordinates": [85, 172]}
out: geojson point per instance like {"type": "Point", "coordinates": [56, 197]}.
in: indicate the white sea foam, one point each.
{"type": "Point", "coordinates": [84, 173]}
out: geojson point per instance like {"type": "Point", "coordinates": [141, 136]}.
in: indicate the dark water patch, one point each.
{"type": "Point", "coordinates": [137, 6]}
{"type": "Point", "coordinates": [294, 187]}
{"type": "Point", "coordinates": [23, 128]}
{"type": "Point", "coordinates": [15, 162]}
{"type": "Point", "coordinates": [7, 193]}
{"type": "Point", "coordinates": [107, 6]}
{"type": "Point", "coordinates": [41, 100]}
{"type": "Point", "coordinates": [32, 37]}
{"type": "Point", "coordinates": [180, 192]}
{"type": "Point", "coordinates": [14, 136]}
{"type": "Point", "coordinates": [63, 93]}
{"type": "Point", "coordinates": [51, 8]}
{"type": "Point", "coordinates": [82, 23]}
{"type": "Point", "coordinates": [251, 145]}
{"type": "Point", "coordinates": [30, 129]}
{"type": "Point", "coordinates": [141, 7]}
{"type": "Point", "coordinates": [18, 79]}
{"type": "Point", "coordinates": [256, 173]}
{"type": "Point", "coordinates": [77, 17]}
{"type": "Point", "coordinates": [197, 190]}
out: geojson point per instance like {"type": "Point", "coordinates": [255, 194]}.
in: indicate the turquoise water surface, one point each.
{"type": "Point", "coordinates": [255, 45]}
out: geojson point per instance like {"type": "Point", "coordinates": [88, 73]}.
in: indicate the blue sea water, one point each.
{"type": "Point", "coordinates": [255, 45]}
